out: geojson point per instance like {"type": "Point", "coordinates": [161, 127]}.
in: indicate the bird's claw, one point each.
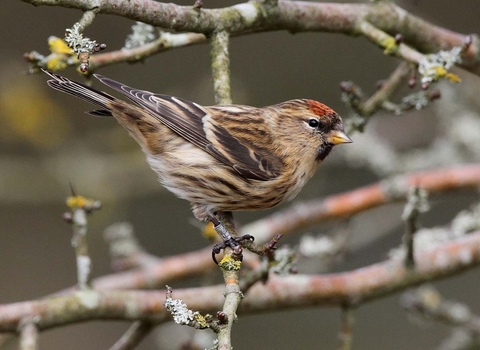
{"type": "Point", "coordinates": [233, 243]}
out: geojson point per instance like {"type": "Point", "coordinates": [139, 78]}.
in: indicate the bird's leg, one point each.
{"type": "Point", "coordinates": [227, 238]}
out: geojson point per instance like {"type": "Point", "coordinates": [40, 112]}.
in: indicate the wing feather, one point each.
{"type": "Point", "coordinates": [210, 132]}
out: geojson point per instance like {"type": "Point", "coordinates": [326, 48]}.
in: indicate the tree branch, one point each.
{"type": "Point", "coordinates": [291, 220]}
{"type": "Point", "coordinates": [350, 203]}
{"type": "Point", "coordinates": [352, 287]}
{"type": "Point", "coordinates": [133, 336]}
{"type": "Point", "coordinates": [346, 331]}
{"type": "Point", "coordinates": [166, 41]}
{"type": "Point", "coordinates": [28, 335]}
{"type": "Point", "coordinates": [80, 207]}
{"type": "Point", "coordinates": [294, 16]}
{"type": "Point", "coordinates": [230, 267]}
{"type": "Point", "coordinates": [221, 68]}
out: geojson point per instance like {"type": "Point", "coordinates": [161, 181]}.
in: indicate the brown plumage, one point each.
{"type": "Point", "coordinates": [221, 158]}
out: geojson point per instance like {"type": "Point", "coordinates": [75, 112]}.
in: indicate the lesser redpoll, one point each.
{"type": "Point", "coordinates": [221, 158]}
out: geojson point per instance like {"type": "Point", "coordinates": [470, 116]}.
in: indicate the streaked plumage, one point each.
{"type": "Point", "coordinates": [221, 158]}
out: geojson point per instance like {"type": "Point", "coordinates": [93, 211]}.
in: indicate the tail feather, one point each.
{"type": "Point", "coordinates": [132, 118]}
{"type": "Point", "coordinates": [134, 95]}
{"type": "Point", "coordinates": [110, 82]}
{"type": "Point", "coordinates": [84, 92]}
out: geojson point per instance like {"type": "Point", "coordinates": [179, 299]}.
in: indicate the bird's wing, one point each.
{"type": "Point", "coordinates": [230, 143]}
{"type": "Point", "coordinates": [240, 134]}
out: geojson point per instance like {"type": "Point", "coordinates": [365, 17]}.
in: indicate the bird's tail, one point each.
{"type": "Point", "coordinates": [137, 122]}
{"type": "Point", "coordinates": [84, 92]}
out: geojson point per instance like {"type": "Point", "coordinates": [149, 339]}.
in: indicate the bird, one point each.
{"type": "Point", "coordinates": [220, 158]}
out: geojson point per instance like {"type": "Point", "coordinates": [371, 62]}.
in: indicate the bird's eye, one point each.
{"type": "Point", "coordinates": [313, 123]}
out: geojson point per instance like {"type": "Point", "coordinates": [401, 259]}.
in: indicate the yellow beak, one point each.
{"type": "Point", "coordinates": [337, 137]}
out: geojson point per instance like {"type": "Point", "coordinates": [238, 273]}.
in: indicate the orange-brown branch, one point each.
{"type": "Point", "coordinates": [354, 287]}
{"type": "Point", "coordinates": [353, 202]}
{"type": "Point", "coordinates": [295, 217]}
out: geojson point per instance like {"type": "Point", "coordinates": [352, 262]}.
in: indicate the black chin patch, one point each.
{"type": "Point", "coordinates": [324, 150]}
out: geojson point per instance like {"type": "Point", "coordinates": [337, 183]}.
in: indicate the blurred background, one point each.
{"type": "Point", "coordinates": [46, 141]}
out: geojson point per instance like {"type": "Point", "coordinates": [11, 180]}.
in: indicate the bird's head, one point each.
{"type": "Point", "coordinates": [312, 126]}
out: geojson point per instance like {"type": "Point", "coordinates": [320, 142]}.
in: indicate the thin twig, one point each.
{"type": "Point", "coordinates": [80, 207]}
{"type": "Point", "coordinates": [427, 302]}
{"type": "Point", "coordinates": [388, 88]}
{"type": "Point", "coordinates": [168, 269]}
{"type": "Point", "coordinates": [410, 229]}
{"type": "Point", "coordinates": [28, 335]}
{"type": "Point", "coordinates": [417, 203]}
{"type": "Point", "coordinates": [87, 19]}
{"type": "Point", "coordinates": [133, 336]}
{"type": "Point", "coordinates": [166, 41]}
{"type": "Point", "coordinates": [221, 67]}
{"type": "Point", "coordinates": [125, 250]}
{"type": "Point", "coordinates": [346, 331]}
{"type": "Point", "coordinates": [379, 100]}
{"type": "Point", "coordinates": [388, 42]}
{"type": "Point", "coordinates": [79, 243]}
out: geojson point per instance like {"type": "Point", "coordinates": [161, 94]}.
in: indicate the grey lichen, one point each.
{"type": "Point", "coordinates": [417, 202]}
{"type": "Point", "coordinates": [142, 34]}
{"type": "Point", "coordinates": [75, 40]}
{"type": "Point", "coordinates": [436, 66]}
{"type": "Point", "coordinates": [179, 310]}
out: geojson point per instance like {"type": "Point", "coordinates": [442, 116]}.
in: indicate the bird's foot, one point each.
{"type": "Point", "coordinates": [234, 243]}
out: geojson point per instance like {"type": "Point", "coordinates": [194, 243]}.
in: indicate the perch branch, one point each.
{"type": "Point", "coordinates": [230, 266]}
{"type": "Point", "coordinates": [352, 287]}
{"type": "Point", "coordinates": [231, 263]}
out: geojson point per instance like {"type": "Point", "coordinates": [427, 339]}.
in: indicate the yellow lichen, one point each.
{"type": "Point", "coordinates": [201, 321]}
{"type": "Point", "coordinates": [230, 264]}
{"type": "Point", "coordinates": [56, 62]}
{"type": "Point", "coordinates": [390, 45]}
{"type": "Point", "coordinates": [453, 78]}
{"type": "Point", "coordinates": [60, 53]}
{"type": "Point", "coordinates": [59, 46]}
{"type": "Point", "coordinates": [440, 71]}
{"type": "Point", "coordinates": [443, 73]}
{"type": "Point", "coordinates": [78, 202]}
